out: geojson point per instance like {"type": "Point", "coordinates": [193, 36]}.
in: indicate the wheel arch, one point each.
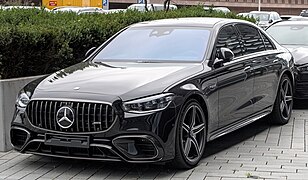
{"type": "Point", "coordinates": [291, 77]}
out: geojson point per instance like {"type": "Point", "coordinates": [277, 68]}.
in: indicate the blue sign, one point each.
{"type": "Point", "coordinates": [105, 2]}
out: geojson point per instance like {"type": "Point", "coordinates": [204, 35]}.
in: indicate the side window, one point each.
{"type": "Point", "coordinates": [251, 39]}
{"type": "Point", "coordinates": [228, 38]}
{"type": "Point", "coordinates": [268, 44]}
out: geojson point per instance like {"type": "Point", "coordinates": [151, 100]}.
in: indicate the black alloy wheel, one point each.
{"type": "Point", "coordinates": [282, 109]}
{"type": "Point", "coordinates": [191, 136]}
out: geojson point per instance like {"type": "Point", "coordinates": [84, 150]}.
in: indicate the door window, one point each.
{"type": "Point", "coordinates": [268, 44]}
{"type": "Point", "coordinates": [252, 41]}
{"type": "Point", "coordinates": [228, 38]}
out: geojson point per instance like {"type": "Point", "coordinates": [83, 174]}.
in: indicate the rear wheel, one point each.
{"type": "Point", "coordinates": [191, 133]}
{"type": "Point", "coordinates": [282, 109]}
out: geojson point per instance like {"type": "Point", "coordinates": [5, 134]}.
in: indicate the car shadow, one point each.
{"type": "Point", "coordinates": [236, 137]}
{"type": "Point", "coordinates": [300, 104]}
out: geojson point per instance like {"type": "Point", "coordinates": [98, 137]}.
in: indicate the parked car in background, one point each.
{"type": "Point", "coordinates": [304, 13]}
{"type": "Point", "coordinates": [265, 18]}
{"type": "Point", "coordinates": [24, 7]}
{"type": "Point", "coordinates": [151, 7]}
{"type": "Point", "coordinates": [294, 36]}
{"type": "Point", "coordinates": [218, 9]}
{"type": "Point", "coordinates": [115, 10]}
{"type": "Point", "coordinates": [157, 91]}
{"type": "Point", "coordinates": [287, 17]}
{"type": "Point", "coordinates": [79, 10]}
{"type": "Point", "coordinates": [298, 18]}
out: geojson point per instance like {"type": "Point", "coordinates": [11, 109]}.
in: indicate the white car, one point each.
{"type": "Point", "coordinates": [218, 9]}
{"type": "Point", "coordinates": [265, 18]}
{"type": "Point", "coordinates": [151, 7]}
{"type": "Point", "coordinates": [24, 7]}
{"type": "Point", "coordinates": [79, 10]}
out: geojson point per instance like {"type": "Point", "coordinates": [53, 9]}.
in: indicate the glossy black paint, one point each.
{"type": "Point", "coordinates": [232, 95]}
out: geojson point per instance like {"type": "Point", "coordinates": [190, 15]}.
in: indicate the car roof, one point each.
{"type": "Point", "coordinates": [196, 21]}
{"type": "Point", "coordinates": [262, 12]}
{"type": "Point", "coordinates": [282, 23]}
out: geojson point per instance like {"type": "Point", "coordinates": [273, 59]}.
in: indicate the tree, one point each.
{"type": "Point", "coordinates": [166, 4]}
{"type": "Point", "coordinates": [146, 5]}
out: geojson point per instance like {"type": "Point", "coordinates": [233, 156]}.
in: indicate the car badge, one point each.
{"type": "Point", "coordinates": [65, 117]}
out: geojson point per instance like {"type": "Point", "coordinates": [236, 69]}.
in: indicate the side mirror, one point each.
{"type": "Point", "coordinates": [90, 51]}
{"type": "Point", "coordinates": [270, 21]}
{"type": "Point", "coordinates": [225, 55]}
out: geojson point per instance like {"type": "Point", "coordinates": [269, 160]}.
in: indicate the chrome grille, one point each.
{"type": "Point", "coordinates": [89, 117]}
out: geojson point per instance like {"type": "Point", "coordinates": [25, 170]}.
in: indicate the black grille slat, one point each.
{"type": "Point", "coordinates": [45, 115]}
{"type": "Point", "coordinates": [50, 113]}
{"type": "Point", "coordinates": [55, 116]}
{"type": "Point", "coordinates": [77, 116]}
{"type": "Point", "coordinates": [106, 117]}
{"type": "Point", "coordinates": [89, 117]}
{"type": "Point", "coordinates": [100, 116]}
{"type": "Point", "coordinates": [82, 115]}
{"type": "Point", "coordinates": [94, 117]}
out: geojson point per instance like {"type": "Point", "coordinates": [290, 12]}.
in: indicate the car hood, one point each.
{"type": "Point", "coordinates": [123, 80]}
{"type": "Point", "coordinates": [300, 54]}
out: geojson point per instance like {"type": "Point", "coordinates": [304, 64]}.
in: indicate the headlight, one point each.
{"type": "Point", "coordinates": [149, 104]}
{"type": "Point", "coordinates": [22, 99]}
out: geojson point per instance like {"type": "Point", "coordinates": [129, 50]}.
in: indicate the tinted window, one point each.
{"type": "Point", "coordinates": [157, 44]}
{"type": "Point", "coordinates": [252, 41]}
{"type": "Point", "coordinates": [268, 44]}
{"type": "Point", "coordinates": [228, 38]}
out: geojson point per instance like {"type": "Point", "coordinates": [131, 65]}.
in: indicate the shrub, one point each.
{"type": "Point", "coordinates": [34, 42]}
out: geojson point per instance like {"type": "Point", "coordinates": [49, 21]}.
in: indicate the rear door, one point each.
{"type": "Point", "coordinates": [264, 65]}
{"type": "Point", "coordinates": [235, 81]}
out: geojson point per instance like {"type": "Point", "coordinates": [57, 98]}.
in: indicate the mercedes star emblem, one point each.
{"type": "Point", "coordinates": [65, 117]}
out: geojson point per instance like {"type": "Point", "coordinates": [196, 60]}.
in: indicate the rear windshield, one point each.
{"type": "Point", "coordinates": [290, 34]}
{"type": "Point", "coordinates": [161, 44]}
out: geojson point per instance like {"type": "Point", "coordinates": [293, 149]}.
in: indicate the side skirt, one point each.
{"type": "Point", "coordinates": [239, 124]}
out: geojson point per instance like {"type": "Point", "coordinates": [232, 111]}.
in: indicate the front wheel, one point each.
{"type": "Point", "coordinates": [191, 134]}
{"type": "Point", "coordinates": [282, 109]}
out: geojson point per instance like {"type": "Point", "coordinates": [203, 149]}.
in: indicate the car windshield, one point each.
{"type": "Point", "coordinates": [290, 34]}
{"type": "Point", "coordinates": [158, 44]}
{"type": "Point", "coordinates": [260, 16]}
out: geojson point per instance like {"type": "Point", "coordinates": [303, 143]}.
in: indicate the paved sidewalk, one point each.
{"type": "Point", "coordinates": [258, 151]}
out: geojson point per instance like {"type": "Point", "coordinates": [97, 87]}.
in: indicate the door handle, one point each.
{"type": "Point", "coordinates": [247, 68]}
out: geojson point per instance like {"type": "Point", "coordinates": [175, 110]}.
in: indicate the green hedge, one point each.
{"type": "Point", "coordinates": [34, 42]}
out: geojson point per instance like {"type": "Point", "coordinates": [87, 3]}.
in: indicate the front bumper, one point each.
{"type": "Point", "coordinates": [134, 138]}
{"type": "Point", "coordinates": [129, 148]}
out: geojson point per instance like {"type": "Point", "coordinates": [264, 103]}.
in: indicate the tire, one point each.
{"type": "Point", "coordinates": [282, 109]}
{"type": "Point", "coordinates": [190, 136]}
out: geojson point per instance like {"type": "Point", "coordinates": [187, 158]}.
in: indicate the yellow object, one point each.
{"type": "Point", "coordinates": [50, 4]}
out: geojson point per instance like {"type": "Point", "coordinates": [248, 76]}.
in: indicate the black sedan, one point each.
{"type": "Point", "coordinates": [157, 91]}
{"type": "Point", "coordinates": [294, 36]}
